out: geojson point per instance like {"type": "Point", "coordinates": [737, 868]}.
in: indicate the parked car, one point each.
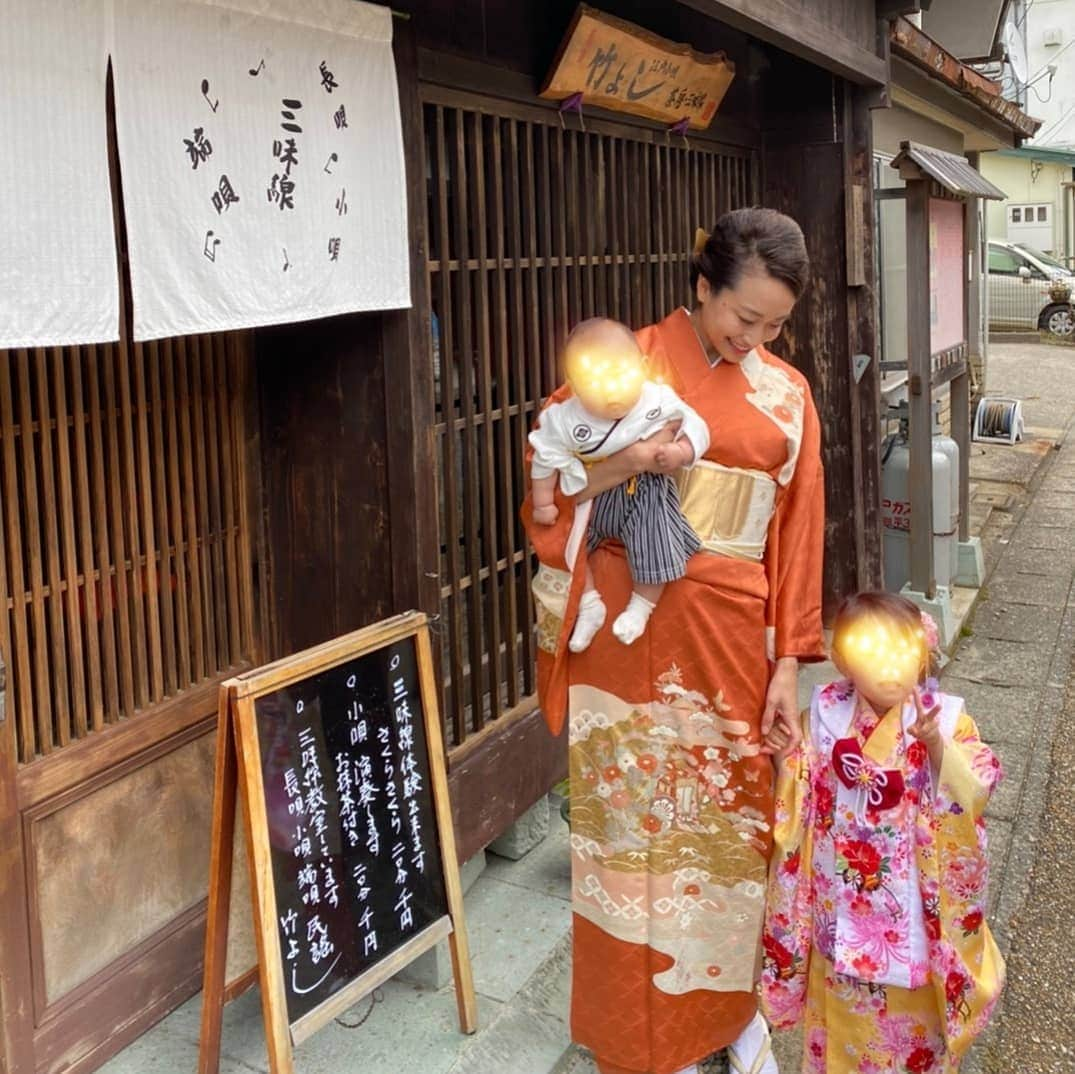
{"type": "Point", "coordinates": [1029, 290]}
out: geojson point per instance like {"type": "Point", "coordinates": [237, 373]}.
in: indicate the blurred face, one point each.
{"type": "Point", "coordinates": [883, 660]}
{"type": "Point", "coordinates": [737, 319]}
{"type": "Point", "coordinates": [606, 378]}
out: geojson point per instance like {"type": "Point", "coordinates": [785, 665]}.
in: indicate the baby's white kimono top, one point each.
{"type": "Point", "coordinates": [569, 436]}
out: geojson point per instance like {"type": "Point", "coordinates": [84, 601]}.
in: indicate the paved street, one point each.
{"type": "Point", "coordinates": [1016, 669]}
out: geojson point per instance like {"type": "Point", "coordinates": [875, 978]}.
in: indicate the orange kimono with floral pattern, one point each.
{"type": "Point", "coordinates": [671, 798]}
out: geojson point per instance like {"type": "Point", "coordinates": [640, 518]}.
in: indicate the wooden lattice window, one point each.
{"type": "Point", "coordinates": [124, 556]}
{"type": "Point", "coordinates": [532, 228]}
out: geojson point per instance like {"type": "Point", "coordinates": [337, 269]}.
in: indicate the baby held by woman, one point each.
{"type": "Point", "coordinates": [611, 406]}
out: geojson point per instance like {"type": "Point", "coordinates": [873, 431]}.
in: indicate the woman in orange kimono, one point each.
{"type": "Point", "coordinates": [671, 792]}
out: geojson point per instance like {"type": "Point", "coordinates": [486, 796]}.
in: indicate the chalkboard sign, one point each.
{"type": "Point", "coordinates": [356, 858]}
{"type": "Point", "coordinates": [348, 830]}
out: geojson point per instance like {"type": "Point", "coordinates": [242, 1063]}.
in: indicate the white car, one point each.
{"type": "Point", "coordinates": [1023, 290]}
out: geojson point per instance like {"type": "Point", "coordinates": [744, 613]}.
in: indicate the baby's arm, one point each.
{"type": "Point", "coordinates": [543, 490]}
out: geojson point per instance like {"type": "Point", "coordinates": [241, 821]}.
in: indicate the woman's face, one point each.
{"type": "Point", "coordinates": [737, 319]}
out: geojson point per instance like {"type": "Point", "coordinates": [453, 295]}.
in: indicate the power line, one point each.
{"type": "Point", "coordinates": [1040, 137]}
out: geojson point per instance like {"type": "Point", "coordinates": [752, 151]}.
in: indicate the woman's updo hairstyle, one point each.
{"type": "Point", "coordinates": [752, 239]}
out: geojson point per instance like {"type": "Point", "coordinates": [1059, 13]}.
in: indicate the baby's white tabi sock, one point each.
{"type": "Point", "coordinates": [631, 622]}
{"type": "Point", "coordinates": [692, 1069]}
{"type": "Point", "coordinates": [591, 619]}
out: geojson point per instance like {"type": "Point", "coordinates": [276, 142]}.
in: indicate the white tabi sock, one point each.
{"type": "Point", "coordinates": [631, 622]}
{"type": "Point", "coordinates": [591, 619]}
{"type": "Point", "coordinates": [752, 1053]}
{"type": "Point", "coordinates": [692, 1069]}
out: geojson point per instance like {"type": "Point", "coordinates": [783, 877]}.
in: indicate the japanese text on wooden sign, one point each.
{"type": "Point", "coordinates": [616, 65]}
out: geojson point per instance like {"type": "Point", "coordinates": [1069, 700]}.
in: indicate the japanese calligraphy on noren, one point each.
{"type": "Point", "coordinates": [328, 80]}
{"type": "Point", "coordinates": [284, 142]}
{"type": "Point", "coordinates": [619, 66]}
{"type": "Point", "coordinates": [199, 148]}
{"type": "Point", "coordinates": [224, 195]}
{"type": "Point", "coordinates": [355, 853]}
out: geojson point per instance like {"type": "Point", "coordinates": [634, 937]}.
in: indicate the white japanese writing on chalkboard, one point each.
{"type": "Point", "coordinates": [356, 859]}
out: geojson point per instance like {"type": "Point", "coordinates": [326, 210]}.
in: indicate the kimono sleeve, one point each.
{"type": "Point", "coordinates": [788, 931]}
{"type": "Point", "coordinates": [969, 772]}
{"type": "Point", "coordinates": [967, 968]}
{"type": "Point", "coordinates": [552, 454]}
{"type": "Point", "coordinates": [795, 552]}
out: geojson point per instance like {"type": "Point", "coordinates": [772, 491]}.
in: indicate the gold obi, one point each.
{"type": "Point", "coordinates": [729, 509]}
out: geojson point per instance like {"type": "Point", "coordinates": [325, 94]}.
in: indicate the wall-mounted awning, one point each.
{"type": "Point", "coordinates": [953, 172]}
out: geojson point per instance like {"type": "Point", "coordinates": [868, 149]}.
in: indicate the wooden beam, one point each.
{"type": "Point", "coordinates": [961, 435]}
{"type": "Point", "coordinates": [516, 97]}
{"type": "Point", "coordinates": [973, 334]}
{"type": "Point", "coordinates": [490, 789]}
{"type": "Point", "coordinates": [408, 376]}
{"type": "Point", "coordinates": [893, 9]}
{"type": "Point", "coordinates": [920, 392]}
{"type": "Point", "coordinates": [865, 394]}
{"type": "Point", "coordinates": [16, 988]}
{"type": "Point", "coordinates": [780, 23]}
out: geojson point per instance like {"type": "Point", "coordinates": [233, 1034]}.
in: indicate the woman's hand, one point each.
{"type": "Point", "coordinates": [782, 699]}
{"type": "Point", "coordinates": [637, 458]}
{"type": "Point", "coordinates": [674, 456]}
{"type": "Point", "coordinates": [653, 455]}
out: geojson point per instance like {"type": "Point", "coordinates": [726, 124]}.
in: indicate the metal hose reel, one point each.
{"type": "Point", "coordinates": [998, 420]}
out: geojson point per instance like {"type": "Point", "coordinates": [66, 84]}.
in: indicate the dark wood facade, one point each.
{"type": "Point", "coordinates": [347, 469]}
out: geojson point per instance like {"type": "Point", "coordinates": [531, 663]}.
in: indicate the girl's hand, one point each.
{"type": "Point", "coordinates": [547, 514]}
{"type": "Point", "coordinates": [782, 697]}
{"type": "Point", "coordinates": [782, 738]}
{"type": "Point", "coordinates": [927, 729]}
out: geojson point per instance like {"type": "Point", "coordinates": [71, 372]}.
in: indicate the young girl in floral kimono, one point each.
{"type": "Point", "coordinates": [875, 936]}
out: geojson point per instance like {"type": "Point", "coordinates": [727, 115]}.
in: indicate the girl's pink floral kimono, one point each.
{"type": "Point", "coordinates": [875, 935]}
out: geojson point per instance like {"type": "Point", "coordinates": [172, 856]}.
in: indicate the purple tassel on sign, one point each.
{"type": "Point", "coordinates": [680, 126]}
{"type": "Point", "coordinates": [572, 104]}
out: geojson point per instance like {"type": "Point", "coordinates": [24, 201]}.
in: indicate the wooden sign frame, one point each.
{"type": "Point", "coordinates": [635, 71]}
{"type": "Point", "coordinates": [238, 768]}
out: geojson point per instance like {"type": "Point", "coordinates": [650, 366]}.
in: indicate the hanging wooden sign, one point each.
{"type": "Point", "coordinates": [337, 755]}
{"type": "Point", "coordinates": [614, 64]}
